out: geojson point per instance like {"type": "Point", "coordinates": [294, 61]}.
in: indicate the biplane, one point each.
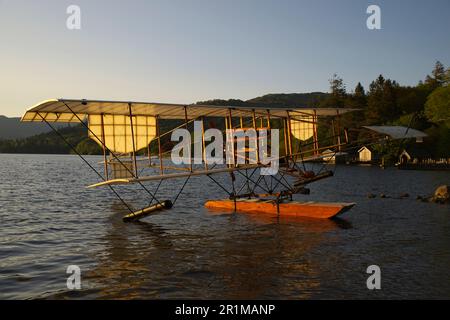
{"type": "Point", "coordinates": [126, 131]}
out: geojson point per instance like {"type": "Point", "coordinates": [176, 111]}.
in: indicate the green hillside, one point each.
{"type": "Point", "coordinates": [275, 100]}
{"type": "Point", "coordinates": [312, 99]}
{"type": "Point", "coordinates": [12, 128]}
{"type": "Point", "coordinates": [51, 143]}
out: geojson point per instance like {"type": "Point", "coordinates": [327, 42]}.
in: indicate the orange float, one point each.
{"type": "Point", "coordinates": [321, 210]}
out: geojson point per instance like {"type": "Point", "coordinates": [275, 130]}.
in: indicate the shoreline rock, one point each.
{"type": "Point", "coordinates": [441, 195]}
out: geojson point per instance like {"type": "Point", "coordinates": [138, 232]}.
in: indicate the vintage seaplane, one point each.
{"type": "Point", "coordinates": [126, 131]}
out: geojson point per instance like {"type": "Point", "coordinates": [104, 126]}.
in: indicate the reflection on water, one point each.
{"type": "Point", "coordinates": [137, 258]}
{"type": "Point", "coordinates": [189, 252]}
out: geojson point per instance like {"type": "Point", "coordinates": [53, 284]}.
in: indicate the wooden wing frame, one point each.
{"type": "Point", "coordinates": [122, 127]}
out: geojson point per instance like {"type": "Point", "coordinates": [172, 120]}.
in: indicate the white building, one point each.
{"type": "Point", "coordinates": [365, 154]}
{"type": "Point", "coordinates": [328, 155]}
{"type": "Point", "coordinates": [333, 156]}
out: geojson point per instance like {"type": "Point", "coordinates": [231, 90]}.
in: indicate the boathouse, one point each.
{"type": "Point", "coordinates": [331, 156]}
{"type": "Point", "coordinates": [419, 158]}
{"type": "Point", "coordinates": [366, 154]}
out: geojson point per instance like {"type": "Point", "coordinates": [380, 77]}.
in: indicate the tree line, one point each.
{"type": "Point", "coordinates": [425, 106]}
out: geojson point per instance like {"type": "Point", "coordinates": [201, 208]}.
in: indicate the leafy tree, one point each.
{"type": "Point", "coordinates": [382, 101]}
{"type": "Point", "coordinates": [437, 107]}
{"type": "Point", "coordinates": [411, 99]}
{"type": "Point", "coordinates": [359, 90]}
{"type": "Point", "coordinates": [88, 146]}
{"type": "Point", "coordinates": [416, 120]}
{"type": "Point", "coordinates": [356, 100]}
{"type": "Point", "coordinates": [438, 76]}
{"type": "Point", "coordinates": [338, 93]}
{"type": "Point", "coordinates": [337, 86]}
{"type": "Point", "coordinates": [439, 140]}
{"type": "Point", "coordinates": [447, 77]}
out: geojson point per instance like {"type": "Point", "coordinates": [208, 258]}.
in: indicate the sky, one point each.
{"type": "Point", "coordinates": [190, 50]}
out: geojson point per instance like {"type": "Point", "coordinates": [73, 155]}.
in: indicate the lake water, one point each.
{"type": "Point", "coordinates": [49, 220]}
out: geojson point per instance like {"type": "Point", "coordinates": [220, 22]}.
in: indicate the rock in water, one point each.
{"type": "Point", "coordinates": [442, 194]}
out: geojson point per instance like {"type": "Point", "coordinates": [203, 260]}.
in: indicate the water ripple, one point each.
{"type": "Point", "coordinates": [49, 221]}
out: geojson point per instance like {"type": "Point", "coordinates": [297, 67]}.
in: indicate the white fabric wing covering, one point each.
{"type": "Point", "coordinates": [302, 130]}
{"type": "Point", "coordinates": [61, 110]}
{"type": "Point", "coordinates": [52, 117]}
{"type": "Point", "coordinates": [118, 134]}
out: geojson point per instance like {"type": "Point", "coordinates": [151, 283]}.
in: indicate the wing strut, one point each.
{"type": "Point", "coordinates": [76, 151]}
